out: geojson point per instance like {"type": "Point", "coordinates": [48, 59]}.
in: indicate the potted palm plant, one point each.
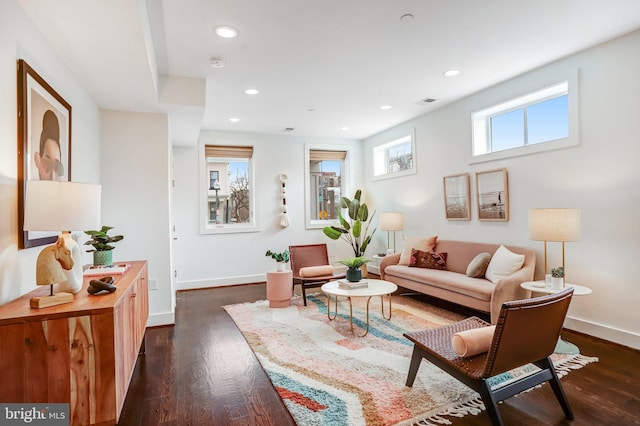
{"type": "Point", "coordinates": [354, 229]}
{"type": "Point", "coordinates": [353, 264]}
{"type": "Point", "coordinates": [102, 248]}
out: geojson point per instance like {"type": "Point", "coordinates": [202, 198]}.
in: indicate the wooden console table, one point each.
{"type": "Point", "coordinates": [82, 353]}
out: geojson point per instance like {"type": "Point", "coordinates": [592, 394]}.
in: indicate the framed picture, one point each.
{"type": "Point", "coordinates": [44, 142]}
{"type": "Point", "coordinates": [457, 198]}
{"type": "Point", "coordinates": [493, 195]}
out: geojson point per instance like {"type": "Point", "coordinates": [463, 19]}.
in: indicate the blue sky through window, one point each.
{"type": "Point", "coordinates": [548, 120]}
{"type": "Point", "coordinates": [545, 121]}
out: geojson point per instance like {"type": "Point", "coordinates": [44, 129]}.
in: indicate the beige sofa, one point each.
{"type": "Point", "coordinates": [454, 285]}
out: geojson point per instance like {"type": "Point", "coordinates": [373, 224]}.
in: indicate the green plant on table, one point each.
{"type": "Point", "coordinates": [557, 272]}
{"type": "Point", "coordinates": [279, 257]}
{"type": "Point", "coordinates": [100, 240]}
{"type": "Point", "coordinates": [354, 262]}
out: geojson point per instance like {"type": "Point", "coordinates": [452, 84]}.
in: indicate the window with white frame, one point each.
{"type": "Point", "coordinates": [526, 123]}
{"type": "Point", "coordinates": [394, 158]}
{"type": "Point", "coordinates": [326, 169]}
{"type": "Point", "coordinates": [228, 198]}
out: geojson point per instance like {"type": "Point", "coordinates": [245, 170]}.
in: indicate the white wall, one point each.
{"type": "Point", "coordinates": [601, 177]}
{"type": "Point", "coordinates": [135, 160]}
{"type": "Point", "coordinates": [19, 39]}
{"type": "Point", "coordinates": [222, 259]}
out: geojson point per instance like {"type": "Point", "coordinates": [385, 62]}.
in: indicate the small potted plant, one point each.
{"type": "Point", "coordinates": [280, 258]}
{"type": "Point", "coordinates": [354, 274]}
{"type": "Point", "coordinates": [102, 248]}
{"type": "Point", "coordinates": [557, 278]}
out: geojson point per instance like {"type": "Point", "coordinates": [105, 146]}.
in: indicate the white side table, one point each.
{"type": "Point", "coordinates": [578, 290]}
{"type": "Point", "coordinates": [374, 266]}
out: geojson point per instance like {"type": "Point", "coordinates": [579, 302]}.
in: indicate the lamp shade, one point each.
{"type": "Point", "coordinates": [554, 224]}
{"type": "Point", "coordinates": [391, 221]}
{"type": "Point", "coordinates": [61, 206]}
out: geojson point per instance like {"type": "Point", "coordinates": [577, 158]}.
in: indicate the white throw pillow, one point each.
{"type": "Point", "coordinates": [422, 244]}
{"type": "Point", "coordinates": [503, 263]}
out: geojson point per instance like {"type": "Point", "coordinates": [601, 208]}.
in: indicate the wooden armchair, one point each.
{"type": "Point", "coordinates": [526, 332]}
{"type": "Point", "coordinates": [303, 256]}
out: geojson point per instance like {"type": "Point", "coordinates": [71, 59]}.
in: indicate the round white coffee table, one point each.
{"type": "Point", "coordinates": [374, 288]}
{"type": "Point", "coordinates": [563, 347]}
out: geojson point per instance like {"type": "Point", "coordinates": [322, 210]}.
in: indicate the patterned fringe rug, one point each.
{"type": "Point", "coordinates": [327, 376]}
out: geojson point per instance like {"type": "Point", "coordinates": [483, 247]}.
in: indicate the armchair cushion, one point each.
{"type": "Point", "coordinates": [315, 271]}
{"type": "Point", "coordinates": [474, 341]}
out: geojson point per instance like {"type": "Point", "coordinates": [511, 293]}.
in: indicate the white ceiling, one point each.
{"type": "Point", "coordinates": [319, 65]}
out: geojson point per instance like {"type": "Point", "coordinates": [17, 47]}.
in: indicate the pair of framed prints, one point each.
{"type": "Point", "coordinates": [492, 196]}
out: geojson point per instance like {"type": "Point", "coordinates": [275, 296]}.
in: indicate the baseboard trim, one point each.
{"type": "Point", "coordinates": [612, 334]}
{"type": "Point", "coordinates": [220, 282]}
{"type": "Point", "coordinates": [165, 318]}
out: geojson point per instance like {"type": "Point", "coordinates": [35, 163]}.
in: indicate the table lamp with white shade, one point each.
{"type": "Point", "coordinates": [391, 222]}
{"type": "Point", "coordinates": [555, 225]}
{"type": "Point", "coordinates": [61, 207]}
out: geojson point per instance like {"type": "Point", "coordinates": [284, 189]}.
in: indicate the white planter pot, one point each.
{"type": "Point", "coordinates": [557, 283]}
{"type": "Point", "coordinates": [280, 266]}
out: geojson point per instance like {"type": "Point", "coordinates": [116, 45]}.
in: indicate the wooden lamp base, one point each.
{"type": "Point", "coordinates": [52, 300]}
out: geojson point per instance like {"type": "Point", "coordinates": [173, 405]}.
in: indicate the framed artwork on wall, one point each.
{"type": "Point", "coordinates": [457, 198]}
{"type": "Point", "coordinates": [44, 143]}
{"type": "Point", "coordinates": [492, 195]}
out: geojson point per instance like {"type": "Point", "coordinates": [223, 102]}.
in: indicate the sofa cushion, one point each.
{"type": "Point", "coordinates": [503, 263]}
{"type": "Point", "coordinates": [422, 244]}
{"type": "Point", "coordinates": [478, 288]}
{"type": "Point", "coordinates": [478, 266]}
{"type": "Point", "coordinates": [428, 259]}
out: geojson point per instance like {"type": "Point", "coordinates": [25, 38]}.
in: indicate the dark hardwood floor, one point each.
{"type": "Point", "coordinates": [202, 372]}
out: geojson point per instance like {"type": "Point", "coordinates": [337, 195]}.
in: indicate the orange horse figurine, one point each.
{"type": "Point", "coordinates": [51, 263]}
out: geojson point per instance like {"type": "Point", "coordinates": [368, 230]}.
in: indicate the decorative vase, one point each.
{"type": "Point", "coordinates": [354, 275]}
{"type": "Point", "coordinates": [280, 266]}
{"type": "Point", "coordinates": [103, 258]}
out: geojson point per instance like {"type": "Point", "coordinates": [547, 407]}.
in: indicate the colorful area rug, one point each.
{"type": "Point", "coordinates": [327, 376]}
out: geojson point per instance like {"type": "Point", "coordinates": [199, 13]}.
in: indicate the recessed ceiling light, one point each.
{"type": "Point", "coordinates": [345, 128]}
{"type": "Point", "coordinates": [251, 91]}
{"type": "Point", "coordinates": [451, 73]}
{"type": "Point", "coordinates": [234, 119]}
{"type": "Point", "coordinates": [226, 31]}
{"type": "Point", "coordinates": [385, 107]}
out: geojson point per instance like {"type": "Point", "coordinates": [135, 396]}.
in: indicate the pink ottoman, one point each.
{"type": "Point", "coordinates": [279, 289]}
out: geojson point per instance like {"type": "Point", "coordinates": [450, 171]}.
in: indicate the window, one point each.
{"type": "Point", "coordinates": [228, 196]}
{"type": "Point", "coordinates": [213, 177]}
{"type": "Point", "coordinates": [395, 158]}
{"type": "Point", "coordinates": [325, 183]}
{"type": "Point", "coordinates": [520, 124]}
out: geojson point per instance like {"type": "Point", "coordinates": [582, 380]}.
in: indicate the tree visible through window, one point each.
{"type": "Point", "coordinates": [394, 158]}
{"type": "Point", "coordinates": [325, 178]}
{"type": "Point", "coordinates": [229, 197]}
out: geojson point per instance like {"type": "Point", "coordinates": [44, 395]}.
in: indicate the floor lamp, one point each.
{"type": "Point", "coordinates": [60, 207]}
{"type": "Point", "coordinates": [556, 225]}
{"type": "Point", "coordinates": [391, 222]}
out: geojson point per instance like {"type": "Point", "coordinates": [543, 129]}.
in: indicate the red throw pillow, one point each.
{"type": "Point", "coordinates": [429, 260]}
